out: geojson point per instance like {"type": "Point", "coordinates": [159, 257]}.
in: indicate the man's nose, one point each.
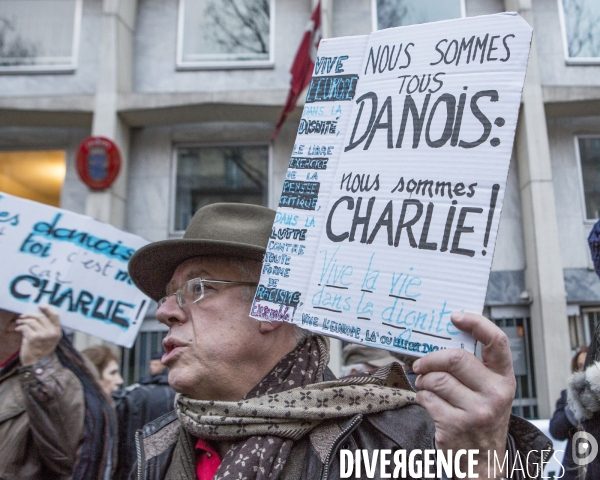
{"type": "Point", "coordinates": [170, 312]}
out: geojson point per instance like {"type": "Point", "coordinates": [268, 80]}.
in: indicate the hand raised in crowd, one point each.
{"type": "Point", "coordinates": [41, 334]}
{"type": "Point", "coordinates": [470, 400]}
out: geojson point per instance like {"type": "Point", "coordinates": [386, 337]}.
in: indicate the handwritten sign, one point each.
{"type": "Point", "coordinates": [390, 208]}
{"type": "Point", "coordinates": [73, 262]}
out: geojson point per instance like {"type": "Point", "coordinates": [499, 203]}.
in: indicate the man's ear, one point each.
{"type": "Point", "coordinates": [268, 327]}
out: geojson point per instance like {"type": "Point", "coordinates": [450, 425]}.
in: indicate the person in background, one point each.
{"type": "Point", "coordinates": [360, 358]}
{"type": "Point", "coordinates": [107, 364]}
{"type": "Point", "coordinates": [157, 370]}
{"type": "Point", "coordinates": [363, 359]}
{"type": "Point", "coordinates": [256, 399]}
{"type": "Point", "coordinates": [138, 405]}
{"type": "Point", "coordinates": [55, 421]}
{"type": "Point", "coordinates": [407, 362]}
{"type": "Point", "coordinates": [564, 424]}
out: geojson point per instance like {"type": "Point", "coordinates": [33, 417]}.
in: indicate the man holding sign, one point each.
{"type": "Point", "coordinates": [54, 420]}
{"type": "Point", "coordinates": [256, 399]}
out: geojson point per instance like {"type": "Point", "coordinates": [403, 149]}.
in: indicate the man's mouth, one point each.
{"type": "Point", "coordinates": [172, 346]}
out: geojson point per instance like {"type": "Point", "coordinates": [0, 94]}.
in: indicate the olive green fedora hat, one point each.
{"type": "Point", "coordinates": [225, 229]}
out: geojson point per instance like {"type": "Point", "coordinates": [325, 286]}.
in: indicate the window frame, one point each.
{"type": "Point", "coordinates": [568, 59]}
{"type": "Point", "coordinates": [586, 221]}
{"type": "Point", "coordinates": [174, 164]}
{"type": "Point", "coordinates": [49, 69]}
{"type": "Point", "coordinates": [181, 65]}
{"type": "Point", "coordinates": [463, 13]}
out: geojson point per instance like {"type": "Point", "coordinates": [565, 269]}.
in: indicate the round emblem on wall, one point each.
{"type": "Point", "coordinates": [98, 162]}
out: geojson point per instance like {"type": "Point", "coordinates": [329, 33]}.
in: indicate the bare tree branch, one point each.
{"type": "Point", "coordinates": [391, 13]}
{"type": "Point", "coordinates": [583, 35]}
{"type": "Point", "coordinates": [239, 25]}
{"type": "Point", "coordinates": [17, 49]}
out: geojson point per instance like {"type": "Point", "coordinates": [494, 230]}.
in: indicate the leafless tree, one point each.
{"type": "Point", "coordinates": [14, 51]}
{"type": "Point", "coordinates": [239, 25]}
{"type": "Point", "coordinates": [391, 13]}
{"type": "Point", "coordinates": [583, 34]}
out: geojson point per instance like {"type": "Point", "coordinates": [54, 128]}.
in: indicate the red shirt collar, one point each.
{"type": "Point", "coordinates": [207, 460]}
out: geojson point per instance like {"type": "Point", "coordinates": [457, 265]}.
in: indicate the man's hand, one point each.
{"type": "Point", "coordinates": [41, 334]}
{"type": "Point", "coordinates": [469, 400]}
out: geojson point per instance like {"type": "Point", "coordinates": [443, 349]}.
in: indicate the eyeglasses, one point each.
{"type": "Point", "coordinates": [193, 290]}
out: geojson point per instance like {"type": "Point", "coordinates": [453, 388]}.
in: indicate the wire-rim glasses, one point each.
{"type": "Point", "coordinates": [193, 291]}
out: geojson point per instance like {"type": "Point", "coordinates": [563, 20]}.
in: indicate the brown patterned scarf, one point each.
{"type": "Point", "coordinates": [287, 404]}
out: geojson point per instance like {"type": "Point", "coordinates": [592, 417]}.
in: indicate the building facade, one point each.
{"type": "Point", "coordinates": [190, 90]}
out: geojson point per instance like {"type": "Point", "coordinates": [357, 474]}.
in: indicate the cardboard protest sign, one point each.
{"type": "Point", "coordinates": [390, 209]}
{"type": "Point", "coordinates": [73, 262]}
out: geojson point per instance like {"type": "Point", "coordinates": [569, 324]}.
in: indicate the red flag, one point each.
{"type": "Point", "coordinates": [303, 64]}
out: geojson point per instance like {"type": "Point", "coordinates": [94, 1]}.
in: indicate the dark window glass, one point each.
{"type": "Point", "coordinates": [589, 151]}
{"type": "Point", "coordinates": [225, 31]}
{"type": "Point", "coordinates": [219, 174]}
{"type": "Point", "coordinates": [38, 33]}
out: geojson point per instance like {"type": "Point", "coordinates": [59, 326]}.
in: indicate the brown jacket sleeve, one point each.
{"type": "Point", "coordinates": [56, 409]}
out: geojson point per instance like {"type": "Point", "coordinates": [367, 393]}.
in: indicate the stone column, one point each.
{"type": "Point", "coordinates": [544, 271]}
{"type": "Point", "coordinates": [114, 77]}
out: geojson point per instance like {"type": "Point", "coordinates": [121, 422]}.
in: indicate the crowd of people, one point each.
{"type": "Point", "coordinates": [62, 415]}
{"type": "Point", "coordinates": [255, 400]}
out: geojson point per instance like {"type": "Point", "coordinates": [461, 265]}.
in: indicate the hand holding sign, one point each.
{"type": "Point", "coordinates": [73, 263]}
{"type": "Point", "coordinates": [392, 199]}
{"type": "Point", "coordinates": [469, 400]}
{"type": "Point", "coordinates": [41, 334]}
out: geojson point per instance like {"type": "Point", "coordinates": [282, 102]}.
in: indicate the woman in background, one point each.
{"type": "Point", "coordinates": [107, 365]}
{"type": "Point", "coordinates": [564, 424]}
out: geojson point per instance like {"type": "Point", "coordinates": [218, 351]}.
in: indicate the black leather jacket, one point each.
{"type": "Point", "coordinates": [136, 406]}
{"type": "Point", "coordinates": [406, 428]}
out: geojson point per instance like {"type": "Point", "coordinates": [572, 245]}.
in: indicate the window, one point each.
{"type": "Point", "coordinates": [591, 317]}
{"type": "Point", "coordinates": [208, 174]}
{"type": "Point", "coordinates": [589, 158]}
{"type": "Point", "coordinates": [398, 13]}
{"type": "Point", "coordinates": [518, 330]}
{"type": "Point", "coordinates": [580, 20]}
{"type": "Point", "coordinates": [39, 35]}
{"type": "Point", "coordinates": [225, 34]}
{"type": "Point", "coordinates": [35, 175]}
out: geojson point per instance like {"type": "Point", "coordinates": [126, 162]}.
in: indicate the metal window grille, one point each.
{"type": "Point", "coordinates": [136, 360]}
{"type": "Point", "coordinates": [579, 332]}
{"type": "Point", "coordinates": [525, 403]}
{"type": "Point", "coordinates": [209, 174]}
{"type": "Point", "coordinates": [591, 319]}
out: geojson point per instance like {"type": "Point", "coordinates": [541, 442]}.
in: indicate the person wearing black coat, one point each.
{"type": "Point", "coordinates": [136, 406]}
{"type": "Point", "coordinates": [564, 423]}
{"type": "Point", "coordinates": [583, 394]}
